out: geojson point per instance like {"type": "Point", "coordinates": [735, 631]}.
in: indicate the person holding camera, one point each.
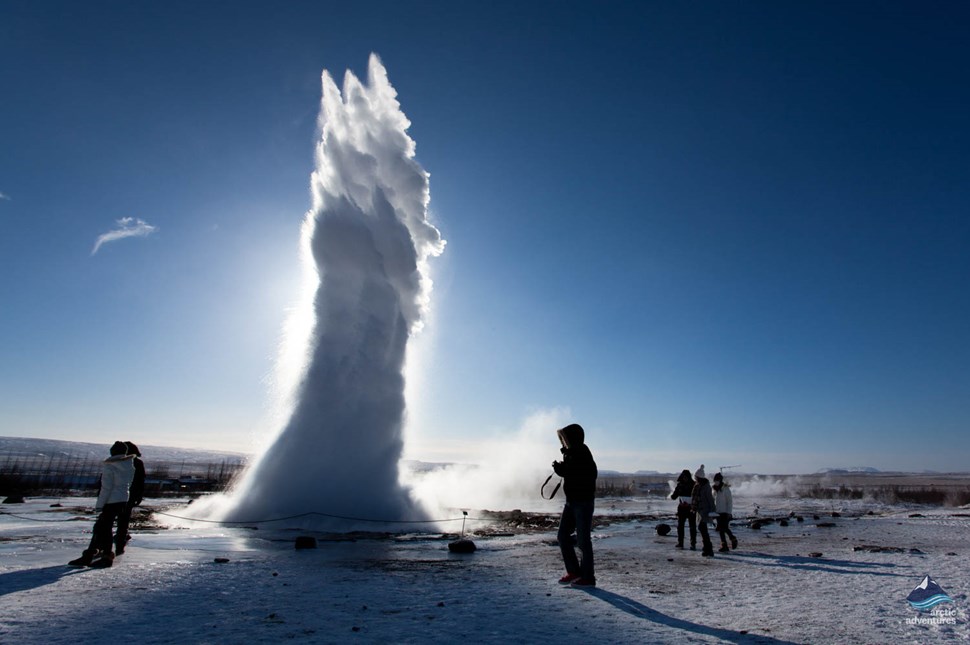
{"type": "Point", "coordinates": [578, 471]}
{"type": "Point", "coordinates": [682, 493]}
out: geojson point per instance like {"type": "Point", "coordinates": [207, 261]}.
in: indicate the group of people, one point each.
{"type": "Point", "coordinates": [122, 487]}
{"type": "Point", "coordinates": [698, 503]}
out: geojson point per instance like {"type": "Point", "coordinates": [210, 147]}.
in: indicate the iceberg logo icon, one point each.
{"type": "Point", "coordinates": [927, 595]}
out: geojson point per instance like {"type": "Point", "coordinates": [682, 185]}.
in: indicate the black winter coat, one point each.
{"type": "Point", "coordinates": [137, 490]}
{"type": "Point", "coordinates": [685, 487]}
{"type": "Point", "coordinates": [578, 471]}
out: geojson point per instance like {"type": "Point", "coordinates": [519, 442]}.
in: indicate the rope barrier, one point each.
{"type": "Point", "coordinates": [38, 519]}
{"type": "Point", "coordinates": [338, 517]}
{"type": "Point", "coordinates": [276, 519]}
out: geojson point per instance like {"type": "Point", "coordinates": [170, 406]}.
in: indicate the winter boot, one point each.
{"type": "Point", "coordinates": [584, 582]}
{"type": "Point", "coordinates": [680, 545]}
{"type": "Point", "coordinates": [87, 557]}
{"type": "Point", "coordinates": [724, 548]}
{"type": "Point", "coordinates": [708, 554]}
{"type": "Point", "coordinates": [104, 561]}
{"type": "Point", "coordinates": [119, 549]}
{"type": "Point", "coordinates": [734, 542]}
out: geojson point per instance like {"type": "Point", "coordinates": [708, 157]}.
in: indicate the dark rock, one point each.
{"type": "Point", "coordinates": [815, 554]}
{"type": "Point", "coordinates": [305, 542]}
{"type": "Point", "coordinates": [825, 525]}
{"type": "Point", "coordinates": [783, 523]}
{"type": "Point", "coordinates": [916, 515]}
{"type": "Point", "coordinates": [799, 518]}
{"type": "Point", "coordinates": [663, 529]}
{"type": "Point", "coordinates": [462, 546]}
{"type": "Point", "coordinates": [836, 514]}
{"type": "Point", "coordinates": [14, 499]}
{"type": "Point", "coordinates": [221, 560]}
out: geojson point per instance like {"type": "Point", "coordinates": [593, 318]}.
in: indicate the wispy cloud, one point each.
{"type": "Point", "coordinates": [127, 227]}
{"type": "Point", "coordinates": [4, 196]}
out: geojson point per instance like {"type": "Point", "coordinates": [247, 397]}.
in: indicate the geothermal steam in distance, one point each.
{"type": "Point", "coordinates": [367, 238]}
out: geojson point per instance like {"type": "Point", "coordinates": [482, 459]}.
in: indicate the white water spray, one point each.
{"type": "Point", "coordinates": [366, 242]}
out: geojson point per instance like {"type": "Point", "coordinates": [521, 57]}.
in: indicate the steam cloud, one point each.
{"type": "Point", "coordinates": [127, 227]}
{"type": "Point", "coordinates": [366, 241]}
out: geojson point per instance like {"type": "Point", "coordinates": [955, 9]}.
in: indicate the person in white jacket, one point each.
{"type": "Point", "coordinates": [724, 506]}
{"type": "Point", "coordinates": [119, 470]}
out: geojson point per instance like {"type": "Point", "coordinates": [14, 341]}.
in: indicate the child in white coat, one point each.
{"type": "Point", "coordinates": [724, 506]}
{"type": "Point", "coordinates": [119, 470]}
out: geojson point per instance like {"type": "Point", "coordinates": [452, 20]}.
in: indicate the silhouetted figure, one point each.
{"type": "Point", "coordinates": [578, 471]}
{"type": "Point", "coordinates": [682, 493]}
{"type": "Point", "coordinates": [702, 501]}
{"type": "Point", "coordinates": [724, 505]}
{"type": "Point", "coordinates": [135, 493]}
{"type": "Point", "coordinates": [119, 470]}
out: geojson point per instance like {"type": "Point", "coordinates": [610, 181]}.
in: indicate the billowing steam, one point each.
{"type": "Point", "coordinates": [366, 241]}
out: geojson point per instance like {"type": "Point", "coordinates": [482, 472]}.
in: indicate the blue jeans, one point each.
{"type": "Point", "coordinates": [577, 516]}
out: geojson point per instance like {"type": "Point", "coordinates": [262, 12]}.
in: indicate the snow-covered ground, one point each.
{"type": "Point", "coordinates": [169, 588]}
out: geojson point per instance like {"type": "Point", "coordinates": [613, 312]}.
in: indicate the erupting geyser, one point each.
{"type": "Point", "coordinates": [367, 238]}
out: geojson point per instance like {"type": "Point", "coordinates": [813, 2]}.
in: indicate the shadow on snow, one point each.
{"type": "Point", "coordinates": [817, 564]}
{"type": "Point", "coordinates": [25, 579]}
{"type": "Point", "coordinates": [640, 610]}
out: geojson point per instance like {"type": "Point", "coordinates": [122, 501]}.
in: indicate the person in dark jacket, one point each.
{"type": "Point", "coordinates": [682, 493]}
{"type": "Point", "coordinates": [578, 471]}
{"type": "Point", "coordinates": [702, 501]}
{"type": "Point", "coordinates": [135, 494]}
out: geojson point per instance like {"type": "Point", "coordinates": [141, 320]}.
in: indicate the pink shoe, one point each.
{"type": "Point", "coordinates": [569, 577]}
{"type": "Point", "coordinates": [584, 582]}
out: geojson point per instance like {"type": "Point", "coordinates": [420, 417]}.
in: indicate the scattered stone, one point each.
{"type": "Point", "coordinates": [305, 542]}
{"type": "Point", "coordinates": [916, 515]}
{"type": "Point", "coordinates": [663, 529]}
{"type": "Point", "coordinates": [836, 514]}
{"type": "Point", "coordinates": [816, 517]}
{"type": "Point", "coordinates": [783, 523]}
{"type": "Point", "coordinates": [441, 604]}
{"type": "Point", "coordinates": [916, 551]}
{"type": "Point", "coordinates": [951, 553]}
{"type": "Point", "coordinates": [815, 554]}
{"type": "Point", "coordinates": [275, 574]}
{"type": "Point", "coordinates": [825, 525]}
{"type": "Point", "coordinates": [799, 518]}
{"type": "Point", "coordinates": [55, 505]}
{"type": "Point", "coordinates": [462, 546]}
{"type": "Point", "coordinates": [355, 628]}
{"type": "Point", "coordinates": [221, 560]}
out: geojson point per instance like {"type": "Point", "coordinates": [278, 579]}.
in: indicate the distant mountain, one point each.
{"type": "Point", "coordinates": [854, 470]}
{"type": "Point", "coordinates": [56, 449]}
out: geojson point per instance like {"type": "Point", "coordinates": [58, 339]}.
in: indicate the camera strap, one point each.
{"type": "Point", "coordinates": [554, 490]}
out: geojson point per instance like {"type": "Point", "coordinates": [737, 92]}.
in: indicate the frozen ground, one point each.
{"type": "Point", "coordinates": [168, 588]}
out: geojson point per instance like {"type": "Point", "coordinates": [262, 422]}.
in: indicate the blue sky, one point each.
{"type": "Point", "coordinates": [731, 233]}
